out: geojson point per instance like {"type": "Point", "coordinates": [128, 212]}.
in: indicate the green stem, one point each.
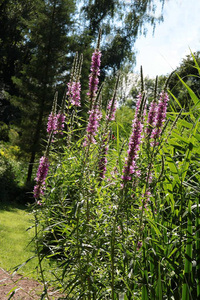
{"type": "Point", "coordinates": [112, 259]}
{"type": "Point", "coordinates": [198, 247]}
{"type": "Point", "coordinates": [78, 249]}
{"type": "Point", "coordinates": [39, 258]}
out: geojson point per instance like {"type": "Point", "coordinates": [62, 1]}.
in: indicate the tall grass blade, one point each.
{"type": "Point", "coordinates": [198, 248]}
{"type": "Point", "coordinates": [195, 61]}
{"type": "Point", "coordinates": [191, 93]}
{"type": "Point", "coordinates": [118, 150]}
{"type": "Point", "coordinates": [176, 100]}
{"type": "Point", "coordinates": [144, 287]}
{"type": "Point", "coordinates": [186, 291]}
{"type": "Point", "coordinates": [159, 284]}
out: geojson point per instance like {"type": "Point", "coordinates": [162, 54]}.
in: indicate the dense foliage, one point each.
{"type": "Point", "coordinates": [38, 39]}
{"type": "Point", "coordinates": [121, 218]}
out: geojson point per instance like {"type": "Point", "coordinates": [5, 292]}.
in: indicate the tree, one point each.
{"type": "Point", "coordinates": [13, 52]}
{"type": "Point", "coordinates": [189, 73]}
{"type": "Point", "coordinates": [47, 34]}
{"type": "Point", "coordinates": [121, 23]}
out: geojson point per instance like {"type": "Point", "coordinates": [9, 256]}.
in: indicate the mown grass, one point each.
{"type": "Point", "coordinates": [17, 245]}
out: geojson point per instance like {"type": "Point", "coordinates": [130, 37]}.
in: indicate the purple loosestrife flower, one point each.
{"type": "Point", "coordinates": [145, 199]}
{"type": "Point", "coordinates": [139, 245]}
{"type": "Point", "coordinates": [93, 125]}
{"type": "Point", "coordinates": [160, 117]}
{"type": "Point", "coordinates": [103, 160]}
{"type": "Point", "coordinates": [41, 177]}
{"type": "Point", "coordinates": [75, 91]}
{"type": "Point", "coordinates": [69, 89]}
{"type": "Point", "coordinates": [151, 117]}
{"type": "Point", "coordinates": [134, 144]}
{"type": "Point", "coordinates": [55, 123]}
{"type": "Point", "coordinates": [52, 123]}
{"type": "Point", "coordinates": [94, 75]}
{"type": "Point", "coordinates": [60, 122]}
{"type": "Point", "coordinates": [138, 103]}
{"type": "Point", "coordinates": [111, 110]}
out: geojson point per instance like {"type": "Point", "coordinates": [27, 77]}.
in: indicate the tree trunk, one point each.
{"type": "Point", "coordinates": [35, 142]}
{"type": "Point", "coordinates": [45, 82]}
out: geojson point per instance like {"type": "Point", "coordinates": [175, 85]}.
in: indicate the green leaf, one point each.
{"type": "Point", "coordinates": [159, 284]}
{"type": "Point", "coordinates": [195, 61]}
{"type": "Point", "coordinates": [153, 225]}
{"type": "Point", "coordinates": [194, 98]}
{"type": "Point", "coordinates": [198, 247]}
{"type": "Point", "coordinates": [185, 123]}
{"type": "Point", "coordinates": [180, 138]}
{"type": "Point", "coordinates": [188, 258]}
{"type": "Point", "coordinates": [175, 99]}
{"type": "Point", "coordinates": [118, 150]}
{"type": "Point", "coordinates": [12, 292]}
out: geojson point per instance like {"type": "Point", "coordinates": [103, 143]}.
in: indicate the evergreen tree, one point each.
{"type": "Point", "coordinates": [48, 37]}
{"type": "Point", "coordinates": [42, 37]}
{"type": "Point", "coordinates": [13, 52]}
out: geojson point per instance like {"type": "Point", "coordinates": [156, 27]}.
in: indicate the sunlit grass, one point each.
{"type": "Point", "coordinates": [16, 241]}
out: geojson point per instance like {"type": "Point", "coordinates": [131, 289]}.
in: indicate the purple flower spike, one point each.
{"type": "Point", "coordinates": [69, 89]}
{"type": "Point", "coordinates": [75, 91]}
{"type": "Point", "coordinates": [138, 103]}
{"type": "Point", "coordinates": [103, 160]}
{"type": "Point", "coordinates": [151, 117]}
{"type": "Point", "coordinates": [52, 123]}
{"type": "Point", "coordinates": [134, 145]}
{"type": "Point", "coordinates": [94, 75]}
{"type": "Point", "coordinates": [160, 117]}
{"type": "Point", "coordinates": [93, 125]}
{"type": "Point", "coordinates": [60, 123]}
{"type": "Point", "coordinates": [111, 114]}
{"type": "Point", "coordinates": [130, 166]}
{"type": "Point", "coordinates": [41, 177]}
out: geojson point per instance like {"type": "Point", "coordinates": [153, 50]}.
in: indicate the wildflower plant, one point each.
{"type": "Point", "coordinates": [113, 213]}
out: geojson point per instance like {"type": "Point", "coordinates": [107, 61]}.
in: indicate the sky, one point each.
{"type": "Point", "coordinates": [162, 53]}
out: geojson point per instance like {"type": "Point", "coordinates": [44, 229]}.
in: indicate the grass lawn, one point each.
{"type": "Point", "coordinates": [15, 247]}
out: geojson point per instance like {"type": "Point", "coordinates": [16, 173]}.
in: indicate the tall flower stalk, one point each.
{"type": "Point", "coordinates": [160, 117]}
{"type": "Point", "coordinates": [95, 116]}
{"type": "Point", "coordinates": [103, 159]}
{"type": "Point", "coordinates": [52, 119]}
{"type": "Point", "coordinates": [41, 177]}
{"type": "Point", "coordinates": [55, 125]}
{"type": "Point", "coordinates": [130, 166]}
{"type": "Point", "coordinates": [74, 85]}
{"type": "Point", "coordinates": [95, 73]}
{"type": "Point", "coordinates": [152, 111]}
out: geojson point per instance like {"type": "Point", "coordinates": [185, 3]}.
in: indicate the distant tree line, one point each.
{"type": "Point", "coordinates": [38, 40]}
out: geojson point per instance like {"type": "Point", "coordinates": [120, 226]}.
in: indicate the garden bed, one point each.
{"type": "Point", "coordinates": [23, 288]}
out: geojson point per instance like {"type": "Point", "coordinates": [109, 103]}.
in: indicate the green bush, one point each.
{"type": "Point", "coordinates": [8, 183]}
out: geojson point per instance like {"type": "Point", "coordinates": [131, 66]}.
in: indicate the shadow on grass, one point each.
{"type": "Point", "coordinates": [22, 198]}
